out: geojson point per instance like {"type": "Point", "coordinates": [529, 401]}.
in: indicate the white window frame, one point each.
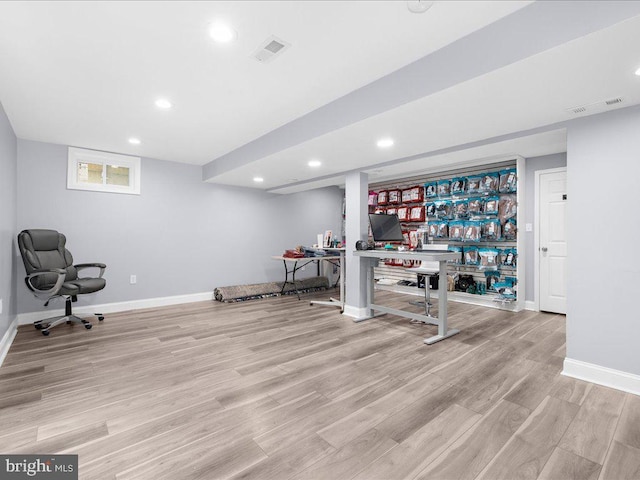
{"type": "Point", "coordinates": [77, 155]}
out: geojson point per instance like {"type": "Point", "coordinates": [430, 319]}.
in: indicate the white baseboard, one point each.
{"type": "Point", "coordinates": [530, 305]}
{"type": "Point", "coordinates": [627, 382]}
{"type": "Point", "coordinates": [28, 318]}
{"type": "Point", "coordinates": [7, 339]}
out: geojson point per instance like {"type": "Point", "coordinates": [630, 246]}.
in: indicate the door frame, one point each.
{"type": "Point", "coordinates": [536, 226]}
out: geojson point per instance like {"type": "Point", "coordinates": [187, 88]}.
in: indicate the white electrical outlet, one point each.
{"type": "Point", "coordinates": [133, 280]}
{"type": "Point", "coordinates": [528, 227]}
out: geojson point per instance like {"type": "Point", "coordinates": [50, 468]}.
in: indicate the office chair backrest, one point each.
{"type": "Point", "coordinates": [432, 264]}
{"type": "Point", "coordinates": [44, 250]}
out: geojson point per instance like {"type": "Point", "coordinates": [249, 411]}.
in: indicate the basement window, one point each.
{"type": "Point", "coordinates": [102, 171]}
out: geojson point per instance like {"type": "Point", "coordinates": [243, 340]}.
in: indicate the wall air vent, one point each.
{"type": "Point", "coordinates": [613, 101]}
{"type": "Point", "coordinates": [270, 48]}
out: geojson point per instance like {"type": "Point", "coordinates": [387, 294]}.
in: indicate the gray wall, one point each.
{"type": "Point", "coordinates": [179, 236]}
{"type": "Point", "coordinates": [603, 173]}
{"type": "Point", "coordinates": [8, 165]}
{"type": "Point", "coordinates": [532, 165]}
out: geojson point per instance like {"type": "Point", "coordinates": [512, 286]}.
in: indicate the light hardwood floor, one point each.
{"type": "Point", "coordinates": [279, 389]}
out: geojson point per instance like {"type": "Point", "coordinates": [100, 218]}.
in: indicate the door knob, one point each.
{"type": "Point", "coordinates": [544, 249]}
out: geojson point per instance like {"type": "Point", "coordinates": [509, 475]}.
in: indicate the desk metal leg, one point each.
{"type": "Point", "coordinates": [372, 308]}
{"type": "Point", "coordinates": [339, 280]}
{"type": "Point", "coordinates": [332, 302]}
{"type": "Point", "coordinates": [443, 330]}
{"type": "Point", "coordinates": [370, 312]}
{"type": "Point", "coordinates": [293, 277]}
{"type": "Point", "coordinates": [371, 282]}
{"type": "Point", "coordinates": [342, 262]}
{"type": "Point", "coordinates": [286, 277]}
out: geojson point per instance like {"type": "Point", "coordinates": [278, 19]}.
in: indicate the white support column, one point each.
{"type": "Point", "coordinates": [522, 236]}
{"type": "Point", "coordinates": [357, 195]}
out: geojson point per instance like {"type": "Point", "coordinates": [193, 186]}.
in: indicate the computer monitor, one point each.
{"type": "Point", "coordinates": [385, 228]}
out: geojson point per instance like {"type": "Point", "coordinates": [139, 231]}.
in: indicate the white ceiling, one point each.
{"type": "Point", "coordinates": [87, 73]}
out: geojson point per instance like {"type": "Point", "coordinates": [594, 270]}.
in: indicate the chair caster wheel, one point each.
{"type": "Point", "coordinates": [88, 326]}
{"type": "Point", "coordinates": [38, 326]}
{"type": "Point", "coordinates": [45, 333]}
{"type": "Point", "coordinates": [101, 318]}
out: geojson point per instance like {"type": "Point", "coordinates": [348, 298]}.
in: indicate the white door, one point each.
{"type": "Point", "coordinates": [552, 240]}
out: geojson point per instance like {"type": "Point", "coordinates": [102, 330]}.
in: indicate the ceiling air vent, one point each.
{"type": "Point", "coordinates": [577, 109]}
{"type": "Point", "coordinates": [613, 101]}
{"type": "Point", "coordinates": [596, 107]}
{"type": "Point", "coordinates": [270, 48]}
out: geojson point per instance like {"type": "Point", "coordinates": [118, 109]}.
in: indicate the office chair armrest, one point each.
{"type": "Point", "coordinates": [101, 266]}
{"type": "Point", "coordinates": [62, 274]}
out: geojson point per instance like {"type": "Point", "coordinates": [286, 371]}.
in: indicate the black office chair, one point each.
{"type": "Point", "coordinates": [51, 274]}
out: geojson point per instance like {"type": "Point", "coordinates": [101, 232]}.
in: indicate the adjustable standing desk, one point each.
{"type": "Point", "coordinates": [299, 264]}
{"type": "Point", "coordinates": [374, 257]}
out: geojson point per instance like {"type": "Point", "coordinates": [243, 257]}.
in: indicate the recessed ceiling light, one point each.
{"type": "Point", "coordinates": [314, 163]}
{"type": "Point", "coordinates": [134, 141]}
{"type": "Point", "coordinates": [258, 179]}
{"type": "Point", "coordinates": [163, 103]}
{"type": "Point", "coordinates": [222, 33]}
{"type": "Point", "coordinates": [638, 72]}
{"type": "Point", "coordinates": [385, 142]}
{"type": "Point", "coordinates": [419, 6]}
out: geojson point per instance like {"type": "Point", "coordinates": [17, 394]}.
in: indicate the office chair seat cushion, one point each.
{"type": "Point", "coordinates": [82, 285]}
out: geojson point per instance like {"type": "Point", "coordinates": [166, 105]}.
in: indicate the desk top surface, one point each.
{"type": "Point", "coordinates": [293, 259]}
{"type": "Point", "coordinates": [436, 255]}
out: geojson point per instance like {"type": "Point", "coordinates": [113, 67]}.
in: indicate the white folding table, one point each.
{"type": "Point", "coordinates": [299, 264]}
